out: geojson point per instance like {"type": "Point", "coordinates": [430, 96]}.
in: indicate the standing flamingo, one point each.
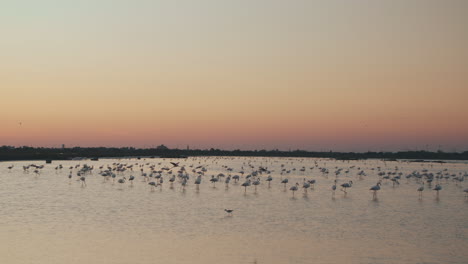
{"type": "Point", "coordinates": [420, 190]}
{"type": "Point", "coordinates": [198, 181]}
{"type": "Point", "coordinates": [246, 184]}
{"type": "Point", "coordinates": [437, 188]}
{"type": "Point", "coordinates": [334, 188]}
{"type": "Point", "coordinates": [375, 188]}
{"type": "Point", "coordinates": [83, 181]}
{"type": "Point", "coordinates": [305, 185]}
{"type": "Point", "coordinates": [152, 184]}
{"type": "Point", "coordinates": [285, 181]}
{"type": "Point", "coordinates": [214, 180]}
{"type": "Point", "coordinates": [269, 179]}
{"type": "Point", "coordinates": [346, 185]}
{"type": "Point", "coordinates": [255, 183]}
{"type": "Point", "coordinates": [294, 188]}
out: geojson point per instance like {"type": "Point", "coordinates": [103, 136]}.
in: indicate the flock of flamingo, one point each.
{"type": "Point", "coordinates": [154, 174]}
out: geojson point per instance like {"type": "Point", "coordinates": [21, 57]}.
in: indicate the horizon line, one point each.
{"type": "Point", "coordinates": [238, 149]}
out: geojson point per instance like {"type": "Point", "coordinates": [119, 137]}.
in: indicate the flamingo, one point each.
{"type": "Point", "coordinates": [312, 183]}
{"type": "Point", "coordinates": [172, 179]}
{"type": "Point", "coordinates": [228, 179]}
{"type": "Point", "coordinates": [269, 179]}
{"type": "Point", "coordinates": [152, 184]}
{"type": "Point", "coordinates": [375, 188]}
{"type": "Point", "coordinates": [198, 181]}
{"type": "Point", "coordinates": [305, 185]}
{"type": "Point", "coordinates": [161, 180]}
{"type": "Point", "coordinates": [83, 181]}
{"type": "Point", "coordinates": [420, 190]}
{"type": "Point", "coordinates": [346, 185]}
{"type": "Point", "coordinates": [246, 184]}
{"type": "Point", "coordinates": [294, 188]}
{"type": "Point", "coordinates": [184, 182]}
{"type": "Point", "coordinates": [437, 188]}
{"type": "Point", "coordinates": [255, 183]}
{"type": "Point", "coordinates": [214, 180]}
{"type": "Point", "coordinates": [285, 181]}
{"type": "Point", "coordinates": [236, 178]}
{"type": "Point", "coordinates": [395, 181]}
{"type": "Point", "coordinates": [334, 187]}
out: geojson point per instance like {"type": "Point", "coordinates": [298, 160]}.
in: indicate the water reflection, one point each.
{"type": "Point", "coordinates": [48, 218]}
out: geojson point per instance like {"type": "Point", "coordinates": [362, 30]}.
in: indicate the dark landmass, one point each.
{"type": "Point", "coordinates": [30, 153]}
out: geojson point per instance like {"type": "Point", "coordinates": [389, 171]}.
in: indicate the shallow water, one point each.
{"type": "Point", "coordinates": [46, 218]}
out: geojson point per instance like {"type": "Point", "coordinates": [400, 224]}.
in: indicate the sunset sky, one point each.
{"type": "Point", "coordinates": [249, 74]}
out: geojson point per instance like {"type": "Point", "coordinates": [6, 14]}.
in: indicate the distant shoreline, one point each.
{"type": "Point", "coordinates": [28, 153]}
{"type": "Point", "coordinates": [144, 158]}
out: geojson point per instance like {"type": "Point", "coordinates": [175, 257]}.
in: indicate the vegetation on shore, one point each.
{"type": "Point", "coordinates": [31, 153]}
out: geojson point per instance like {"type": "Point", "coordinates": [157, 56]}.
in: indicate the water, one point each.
{"type": "Point", "coordinates": [46, 218]}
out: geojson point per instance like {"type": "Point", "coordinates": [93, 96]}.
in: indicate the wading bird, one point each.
{"type": "Point", "coordinates": [305, 185]}
{"type": "Point", "coordinates": [346, 185]}
{"type": "Point", "coordinates": [246, 184]}
{"type": "Point", "coordinates": [294, 188]}
{"type": "Point", "coordinates": [420, 190]}
{"type": "Point", "coordinates": [375, 188]}
{"type": "Point", "coordinates": [229, 211]}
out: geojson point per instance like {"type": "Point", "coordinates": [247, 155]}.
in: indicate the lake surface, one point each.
{"type": "Point", "coordinates": [47, 218]}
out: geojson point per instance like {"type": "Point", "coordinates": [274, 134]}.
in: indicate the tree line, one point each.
{"type": "Point", "coordinates": [39, 153]}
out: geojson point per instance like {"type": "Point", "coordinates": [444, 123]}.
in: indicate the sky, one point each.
{"type": "Point", "coordinates": [246, 74]}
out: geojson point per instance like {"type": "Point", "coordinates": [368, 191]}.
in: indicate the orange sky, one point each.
{"type": "Point", "coordinates": [371, 75]}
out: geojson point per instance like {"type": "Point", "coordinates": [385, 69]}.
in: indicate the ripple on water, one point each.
{"type": "Point", "coordinates": [50, 219]}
